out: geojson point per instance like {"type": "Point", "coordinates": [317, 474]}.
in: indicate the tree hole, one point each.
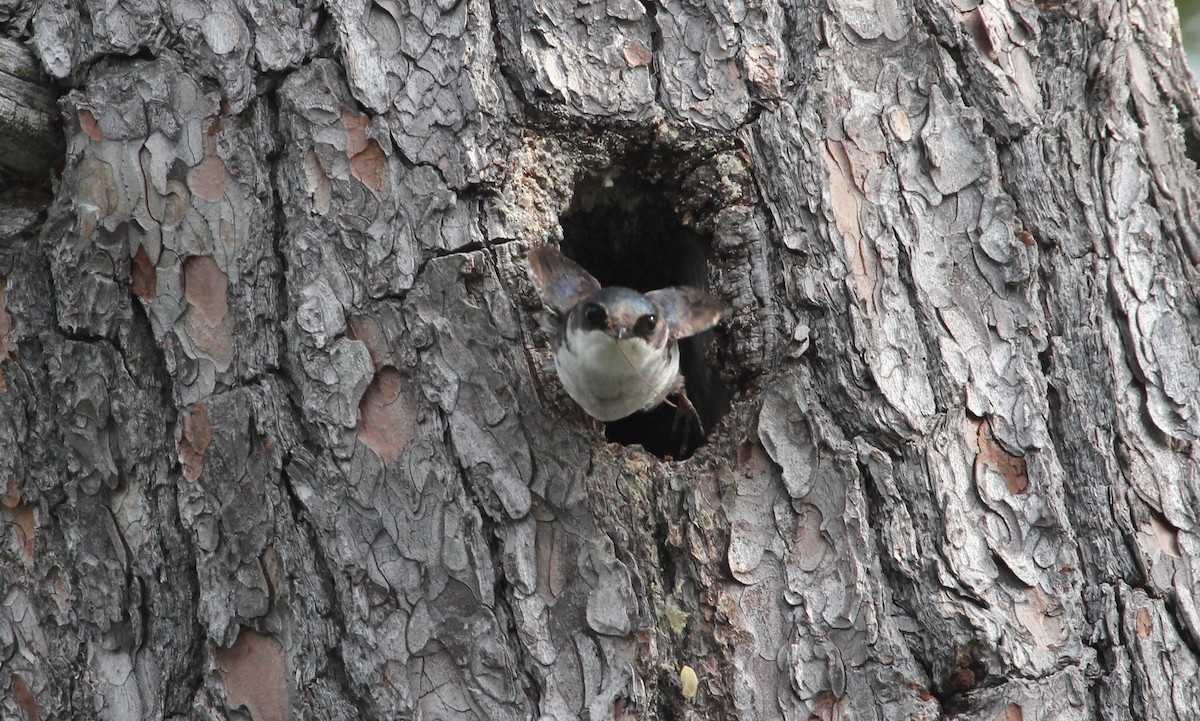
{"type": "Point", "coordinates": [625, 232]}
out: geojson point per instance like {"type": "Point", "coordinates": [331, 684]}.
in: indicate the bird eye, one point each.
{"type": "Point", "coordinates": [646, 324]}
{"type": "Point", "coordinates": [595, 316]}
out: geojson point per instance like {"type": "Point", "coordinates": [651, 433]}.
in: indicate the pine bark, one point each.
{"type": "Point", "coordinates": [280, 435]}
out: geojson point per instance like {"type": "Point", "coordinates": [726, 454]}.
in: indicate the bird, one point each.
{"type": "Point", "coordinates": [616, 351]}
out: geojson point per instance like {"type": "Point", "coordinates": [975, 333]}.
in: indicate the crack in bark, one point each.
{"type": "Point", "coordinates": [501, 587]}
{"type": "Point", "coordinates": [656, 46]}
{"type": "Point", "coordinates": [506, 72]}
{"type": "Point", "coordinates": [324, 568]}
{"type": "Point", "coordinates": [196, 648]}
{"type": "Point", "coordinates": [503, 592]}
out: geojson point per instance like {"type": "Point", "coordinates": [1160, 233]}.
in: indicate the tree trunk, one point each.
{"type": "Point", "coordinates": [281, 435]}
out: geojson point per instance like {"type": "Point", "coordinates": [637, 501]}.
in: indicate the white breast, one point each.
{"type": "Point", "coordinates": [609, 385]}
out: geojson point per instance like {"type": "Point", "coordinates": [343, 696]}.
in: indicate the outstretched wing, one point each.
{"type": "Point", "coordinates": [688, 310]}
{"type": "Point", "coordinates": [560, 281]}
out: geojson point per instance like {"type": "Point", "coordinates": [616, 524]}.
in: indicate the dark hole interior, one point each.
{"type": "Point", "coordinates": [626, 233]}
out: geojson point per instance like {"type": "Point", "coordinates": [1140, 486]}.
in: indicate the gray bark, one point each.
{"type": "Point", "coordinates": [280, 431]}
{"type": "Point", "coordinates": [30, 147]}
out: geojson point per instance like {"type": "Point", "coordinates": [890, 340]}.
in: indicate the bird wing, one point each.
{"type": "Point", "coordinates": [688, 310]}
{"type": "Point", "coordinates": [560, 281]}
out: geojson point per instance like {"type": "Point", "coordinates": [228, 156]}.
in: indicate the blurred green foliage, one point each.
{"type": "Point", "coordinates": [1189, 20]}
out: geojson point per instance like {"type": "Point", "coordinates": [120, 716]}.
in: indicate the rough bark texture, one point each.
{"type": "Point", "coordinates": [29, 143]}
{"type": "Point", "coordinates": [280, 436]}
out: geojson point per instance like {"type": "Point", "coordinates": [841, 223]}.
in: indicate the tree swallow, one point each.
{"type": "Point", "coordinates": [617, 350]}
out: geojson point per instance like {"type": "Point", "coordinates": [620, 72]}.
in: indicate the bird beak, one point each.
{"type": "Point", "coordinates": [621, 333]}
